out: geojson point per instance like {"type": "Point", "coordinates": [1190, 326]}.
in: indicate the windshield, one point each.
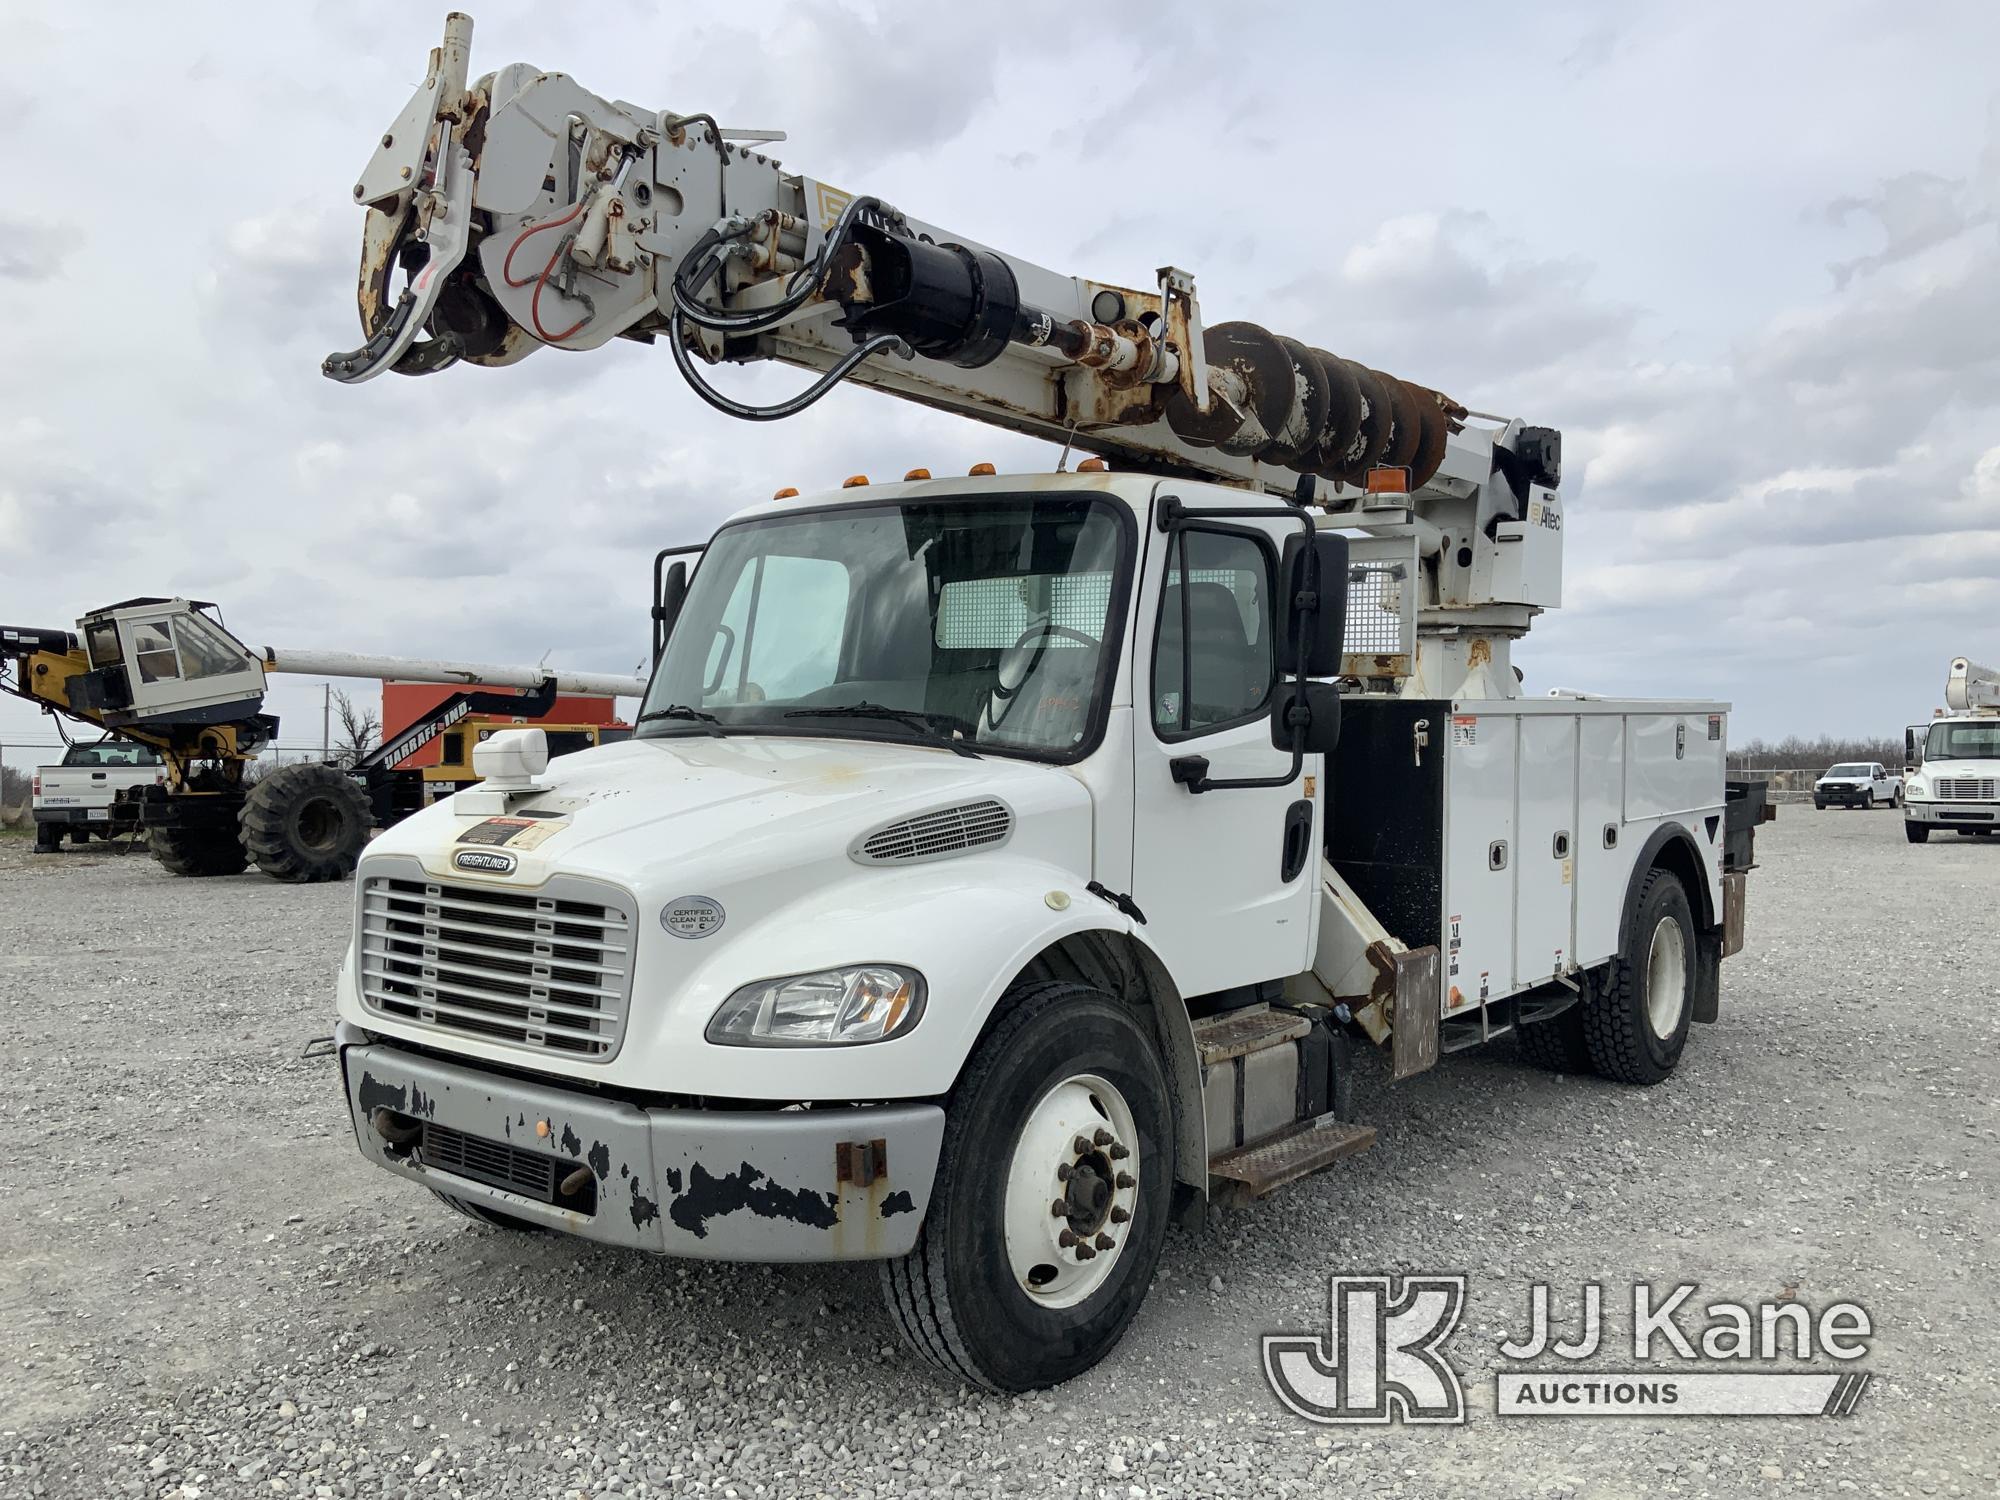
{"type": "Point", "coordinates": [976, 623]}
{"type": "Point", "coordinates": [1852, 771]}
{"type": "Point", "coordinates": [1963, 742]}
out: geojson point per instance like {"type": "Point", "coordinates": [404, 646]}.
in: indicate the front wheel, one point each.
{"type": "Point", "coordinates": [1637, 1025]}
{"type": "Point", "coordinates": [1052, 1196]}
{"type": "Point", "coordinates": [1819, 803]}
{"type": "Point", "coordinates": [1916, 833]}
{"type": "Point", "coordinates": [306, 823]}
{"type": "Point", "coordinates": [1868, 801]}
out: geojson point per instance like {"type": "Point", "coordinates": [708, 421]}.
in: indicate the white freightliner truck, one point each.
{"type": "Point", "coordinates": [1003, 865]}
{"type": "Point", "coordinates": [1953, 778]}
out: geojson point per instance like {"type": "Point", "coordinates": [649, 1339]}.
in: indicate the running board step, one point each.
{"type": "Point", "coordinates": [1295, 1152]}
{"type": "Point", "coordinates": [1237, 1033]}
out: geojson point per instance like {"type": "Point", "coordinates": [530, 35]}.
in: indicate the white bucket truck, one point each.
{"type": "Point", "coordinates": [1006, 865]}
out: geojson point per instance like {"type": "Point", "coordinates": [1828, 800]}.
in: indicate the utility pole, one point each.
{"type": "Point", "coordinates": [326, 721]}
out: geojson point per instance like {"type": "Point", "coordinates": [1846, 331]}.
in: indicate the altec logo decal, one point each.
{"type": "Point", "coordinates": [1382, 1358]}
{"type": "Point", "coordinates": [486, 861]}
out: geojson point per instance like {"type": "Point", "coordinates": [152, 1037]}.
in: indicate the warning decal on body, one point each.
{"type": "Point", "coordinates": [1465, 729]}
{"type": "Point", "coordinates": [516, 833]}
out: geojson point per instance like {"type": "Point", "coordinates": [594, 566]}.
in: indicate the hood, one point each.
{"type": "Point", "coordinates": [652, 813]}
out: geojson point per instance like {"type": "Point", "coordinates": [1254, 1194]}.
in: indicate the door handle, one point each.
{"type": "Point", "coordinates": [1298, 839]}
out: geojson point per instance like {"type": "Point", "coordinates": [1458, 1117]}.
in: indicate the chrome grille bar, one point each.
{"type": "Point", "coordinates": [549, 970]}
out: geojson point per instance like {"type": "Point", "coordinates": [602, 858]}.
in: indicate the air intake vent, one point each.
{"type": "Point", "coordinates": [937, 835]}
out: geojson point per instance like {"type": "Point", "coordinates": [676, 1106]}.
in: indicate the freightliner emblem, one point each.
{"type": "Point", "coordinates": [486, 861]}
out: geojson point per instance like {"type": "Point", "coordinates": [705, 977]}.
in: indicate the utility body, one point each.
{"type": "Point", "coordinates": [1003, 865]}
{"type": "Point", "coordinates": [1953, 780]}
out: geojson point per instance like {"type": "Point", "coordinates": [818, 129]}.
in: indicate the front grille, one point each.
{"type": "Point", "coordinates": [1966, 789]}
{"type": "Point", "coordinates": [949, 830]}
{"type": "Point", "coordinates": [494, 1163]}
{"type": "Point", "coordinates": [549, 970]}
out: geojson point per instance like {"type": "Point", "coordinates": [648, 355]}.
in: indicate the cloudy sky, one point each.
{"type": "Point", "coordinates": [1744, 255]}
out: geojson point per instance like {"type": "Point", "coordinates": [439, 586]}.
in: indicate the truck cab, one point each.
{"type": "Point", "coordinates": [1953, 783]}
{"type": "Point", "coordinates": [999, 868]}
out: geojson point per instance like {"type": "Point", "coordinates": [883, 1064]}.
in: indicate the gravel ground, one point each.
{"type": "Point", "coordinates": [206, 1292]}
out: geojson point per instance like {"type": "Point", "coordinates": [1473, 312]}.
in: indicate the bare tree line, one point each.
{"type": "Point", "coordinates": [1796, 752]}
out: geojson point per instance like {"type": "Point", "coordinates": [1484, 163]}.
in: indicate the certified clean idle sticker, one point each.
{"type": "Point", "coordinates": [692, 916]}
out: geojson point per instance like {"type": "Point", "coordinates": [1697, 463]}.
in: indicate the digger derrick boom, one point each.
{"type": "Point", "coordinates": [527, 211]}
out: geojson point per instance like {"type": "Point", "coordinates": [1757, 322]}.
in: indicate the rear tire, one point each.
{"type": "Point", "coordinates": [1557, 1044]}
{"type": "Point", "coordinates": [479, 1213]}
{"type": "Point", "coordinates": [48, 837]}
{"type": "Point", "coordinates": [1637, 1025]}
{"type": "Point", "coordinates": [1916, 833]}
{"type": "Point", "coordinates": [306, 823]}
{"type": "Point", "coordinates": [989, 1294]}
{"type": "Point", "coordinates": [207, 851]}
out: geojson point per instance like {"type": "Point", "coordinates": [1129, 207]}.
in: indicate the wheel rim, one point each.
{"type": "Point", "coordinates": [1666, 978]}
{"type": "Point", "coordinates": [319, 825]}
{"type": "Point", "coordinates": [1072, 1188]}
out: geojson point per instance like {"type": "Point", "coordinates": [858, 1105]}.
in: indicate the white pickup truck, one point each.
{"type": "Point", "coordinates": [80, 796]}
{"type": "Point", "coordinates": [1858, 784]}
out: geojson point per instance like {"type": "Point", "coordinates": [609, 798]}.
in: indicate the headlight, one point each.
{"type": "Point", "coordinates": [830, 1008]}
{"type": "Point", "coordinates": [1914, 787]}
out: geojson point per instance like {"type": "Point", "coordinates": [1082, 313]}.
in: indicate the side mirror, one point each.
{"type": "Point", "coordinates": [1319, 703]}
{"type": "Point", "coordinates": [1325, 641]}
{"type": "Point", "coordinates": [673, 589]}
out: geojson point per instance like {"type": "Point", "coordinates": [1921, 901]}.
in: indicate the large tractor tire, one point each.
{"type": "Point", "coordinates": [306, 823]}
{"type": "Point", "coordinates": [1053, 1187]}
{"type": "Point", "coordinates": [204, 851]}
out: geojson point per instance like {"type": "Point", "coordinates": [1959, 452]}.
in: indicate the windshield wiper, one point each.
{"type": "Point", "coordinates": [682, 711]}
{"type": "Point", "coordinates": [939, 727]}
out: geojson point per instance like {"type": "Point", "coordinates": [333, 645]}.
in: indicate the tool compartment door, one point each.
{"type": "Point", "coordinates": [1545, 878]}
{"type": "Point", "coordinates": [1480, 855]}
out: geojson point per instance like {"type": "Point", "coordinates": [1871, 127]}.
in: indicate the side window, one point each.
{"type": "Point", "coordinates": [1212, 664]}
{"type": "Point", "coordinates": [153, 646]}
{"type": "Point", "coordinates": [772, 642]}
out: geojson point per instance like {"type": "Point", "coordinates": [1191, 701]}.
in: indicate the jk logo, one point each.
{"type": "Point", "coordinates": [1379, 1359]}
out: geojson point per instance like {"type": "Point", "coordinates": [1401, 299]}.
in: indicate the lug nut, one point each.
{"type": "Point", "coordinates": [1105, 1242]}
{"type": "Point", "coordinates": [1118, 1152]}
{"type": "Point", "coordinates": [1066, 1238]}
{"type": "Point", "coordinates": [1081, 1146]}
{"type": "Point", "coordinates": [1084, 1252]}
{"type": "Point", "coordinates": [1060, 1208]}
{"type": "Point", "coordinates": [1125, 1179]}
{"type": "Point", "coordinates": [1118, 1215]}
{"type": "Point", "coordinates": [1102, 1138]}
{"type": "Point", "coordinates": [1063, 1172]}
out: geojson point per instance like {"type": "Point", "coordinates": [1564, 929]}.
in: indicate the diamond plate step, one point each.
{"type": "Point", "coordinates": [1291, 1154]}
{"type": "Point", "coordinates": [1252, 1029]}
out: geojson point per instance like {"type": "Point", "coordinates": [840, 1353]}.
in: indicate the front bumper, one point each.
{"type": "Point", "coordinates": [1843, 796]}
{"type": "Point", "coordinates": [758, 1185]}
{"type": "Point", "coordinates": [1952, 814]}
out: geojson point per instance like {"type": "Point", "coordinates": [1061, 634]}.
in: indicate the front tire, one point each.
{"type": "Point", "coordinates": [1819, 803]}
{"type": "Point", "coordinates": [1868, 800]}
{"type": "Point", "coordinates": [1916, 833]}
{"type": "Point", "coordinates": [306, 823]}
{"type": "Point", "coordinates": [1053, 1189]}
{"type": "Point", "coordinates": [1637, 1025]}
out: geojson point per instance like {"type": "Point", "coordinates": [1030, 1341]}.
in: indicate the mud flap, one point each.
{"type": "Point", "coordinates": [1414, 1034]}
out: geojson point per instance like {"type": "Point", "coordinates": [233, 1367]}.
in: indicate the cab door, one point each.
{"type": "Point", "coordinates": [1224, 877]}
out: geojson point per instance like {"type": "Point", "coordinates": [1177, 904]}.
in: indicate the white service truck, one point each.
{"type": "Point", "coordinates": [80, 796]}
{"type": "Point", "coordinates": [1953, 781]}
{"type": "Point", "coordinates": [1003, 866]}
